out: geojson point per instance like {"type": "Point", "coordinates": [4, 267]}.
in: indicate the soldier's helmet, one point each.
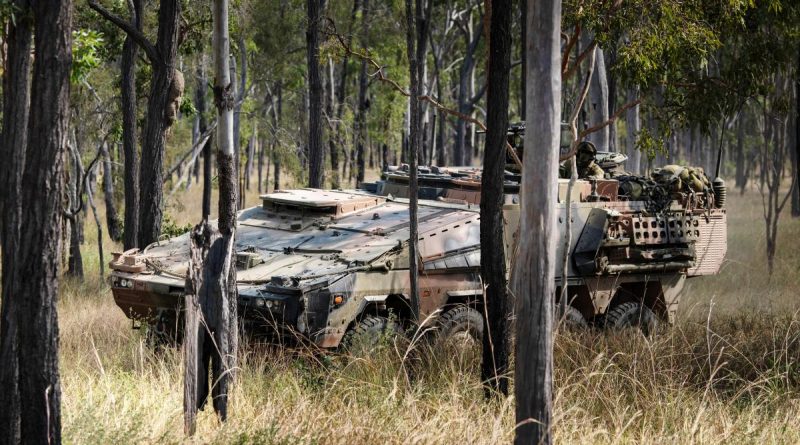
{"type": "Point", "coordinates": [587, 153]}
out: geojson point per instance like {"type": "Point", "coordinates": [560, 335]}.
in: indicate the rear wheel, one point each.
{"type": "Point", "coordinates": [460, 327]}
{"type": "Point", "coordinates": [629, 315]}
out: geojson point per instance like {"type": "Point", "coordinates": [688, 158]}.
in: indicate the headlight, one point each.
{"type": "Point", "coordinates": [259, 302]}
{"type": "Point", "coordinates": [123, 282]}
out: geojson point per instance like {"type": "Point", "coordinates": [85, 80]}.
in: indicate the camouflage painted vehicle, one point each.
{"type": "Point", "coordinates": [323, 265]}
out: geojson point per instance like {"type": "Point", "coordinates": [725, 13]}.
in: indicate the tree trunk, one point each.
{"type": "Point", "coordinates": [202, 109]}
{"type": "Point", "coordinates": [633, 126]}
{"type": "Point", "coordinates": [16, 107]}
{"type": "Point", "coordinates": [361, 117]}
{"type": "Point", "coordinates": [239, 92]}
{"type": "Point", "coordinates": [276, 157]}
{"type": "Point", "coordinates": [75, 197]}
{"type": "Point", "coordinates": [496, 349]}
{"type": "Point", "coordinates": [215, 295]}
{"type": "Point", "coordinates": [129, 132]}
{"type": "Point", "coordinates": [534, 273]}
{"type": "Point", "coordinates": [462, 153]}
{"type": "Point", "coordinates": [523, 7]}
{"type": "Point", "coordinates": [316, 155]}
{"type": "Point", "coordinates": [112, 217]}
{"type": "Point", "coordinates": [413, 13]}
{"type": "Point", "coordinates": [598, 100]}
{"type": "Point", "coordinates": [261, 166]}
{"type": "Point", "coordinates": [330, 106]}
{"type": "Point", "coordinates": [252, 146]}
{"type": "Point", "coordinates": [159, 120]}
{"type": "Point", "coordinates": [611, 57]}
{"type": "Point", "coordinates": [35, 264]}
{"type": "Point", "coordinates": [796, 148]}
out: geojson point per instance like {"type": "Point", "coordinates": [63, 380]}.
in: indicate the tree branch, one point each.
{"type": "Point", "coordinates": [583, 55]}
{"type": "Point", "coordinates": [573, 118]}
{"type": "Point", "coordinates": [129, 29]}
{"type": "Point", "coordinates": [378, 74]}
{"type": "Point", "coordinates": [570, 44]}
{"type": "Point", "coordinates": [610, 120]}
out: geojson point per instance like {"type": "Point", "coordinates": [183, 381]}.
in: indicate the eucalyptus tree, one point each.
{"type": "Point", "coordinates": [496, 347]}
{"type": "Point", "coordinates": [533, 279]}
{"type": "Point", "coordinates": [316, 156]}
{"type": "Point", "coordinates": [16, 109]}
{"type": "Point", "coordinates": [29, 335]}
{"type": "Point", "coordinates": [166, 88]}
{"type": "Point", "coordinates": [211, 293]}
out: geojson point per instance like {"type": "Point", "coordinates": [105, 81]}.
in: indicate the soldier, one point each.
{"type": "Point", "coordinates": [587, 167]}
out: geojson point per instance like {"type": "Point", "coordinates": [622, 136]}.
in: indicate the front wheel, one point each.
{"type": "Point", "coordinates": [370, 331]}
{"type": "Point", "coordinates": [629, 315]}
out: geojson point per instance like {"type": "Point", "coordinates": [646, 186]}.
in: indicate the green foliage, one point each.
{"type": "Point", "coordinates": [187, 107]}
{"type": "Point", "coordinates": [170, 229]}
{"type": "Point", "coordinates": [85, 56]}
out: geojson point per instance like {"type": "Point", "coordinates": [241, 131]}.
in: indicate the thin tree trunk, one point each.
{"type": "Point", "coordinates": [598, 101]}
{"type": "Point", "coordinates": [202, 109]}
{"type": "Point", "coordinates": [36, 262]}
{"type": "Point", "coordinates": [16, 107]}
{"type": "Point", "coordinates": [523, 7]}
{"type": "Point", "coordinates": [633, 126]}
{"type": "Point", "coordinates": [100, 255]}
{"type": "Point", "coordinates": [75, 195]}
{"type": "Point", "coordinates": [214, 296]}
{"type": "Point", "coordinates": [129, 132]}
{"type": "Point", "coordinates": [165, 78]}
{"type": "Point", "coordinates": [496, 347]}
{"type": "Point", "coordinates": [534, 273]}
{"type": "Point", "coordinates": [795, 148]}
{"type": "Point", "coordinates": [261, 167]}
{"type": "Point", "coordinates": [316, 155]}
{"type": "Point", "coordinates": [361, 117]}
{"type": "Point", "coordinates": [251, 154]}
{"type": "Point", "coordinates": [112, 217]}
{"type": "Point", "coordinates": [413, 12]}
{"type": "Point", "coordinates": [239, 92]}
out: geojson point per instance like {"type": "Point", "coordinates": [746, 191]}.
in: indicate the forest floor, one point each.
{"type": "Point", "coordinates": [727, 372]}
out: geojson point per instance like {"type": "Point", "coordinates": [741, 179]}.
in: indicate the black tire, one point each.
{"type": "Point", "coordinates": [368, 333]}
{"type": "Point", "coordinates": [573, 319]}
{"type": "Point", "coordinates": [458, 326]}
{"type": "Point", "coordinates": [629, 315]}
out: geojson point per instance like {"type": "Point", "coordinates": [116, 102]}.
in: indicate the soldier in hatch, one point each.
{"type": "Point", "coordinates": [585, 160]}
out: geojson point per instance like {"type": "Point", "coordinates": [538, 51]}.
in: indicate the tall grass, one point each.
{"type": "Point", "coordinates": [728, 372]}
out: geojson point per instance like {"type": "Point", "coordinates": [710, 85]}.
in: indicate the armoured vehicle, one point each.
{"type": "Point", "coordinates": [325, 264]}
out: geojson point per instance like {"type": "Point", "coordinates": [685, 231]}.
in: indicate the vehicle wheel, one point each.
{"type": "Point", "coordinates": [370, 332]}
{"type": "Point", "coordinates": [460, 327]}
{"type": "Point", "coordinates": [631, 314]}
{"type": "Point", "coordinates": [572, 319]}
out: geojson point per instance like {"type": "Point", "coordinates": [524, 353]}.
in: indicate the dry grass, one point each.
{"type": "Point", "coordinates": [729, 372]}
